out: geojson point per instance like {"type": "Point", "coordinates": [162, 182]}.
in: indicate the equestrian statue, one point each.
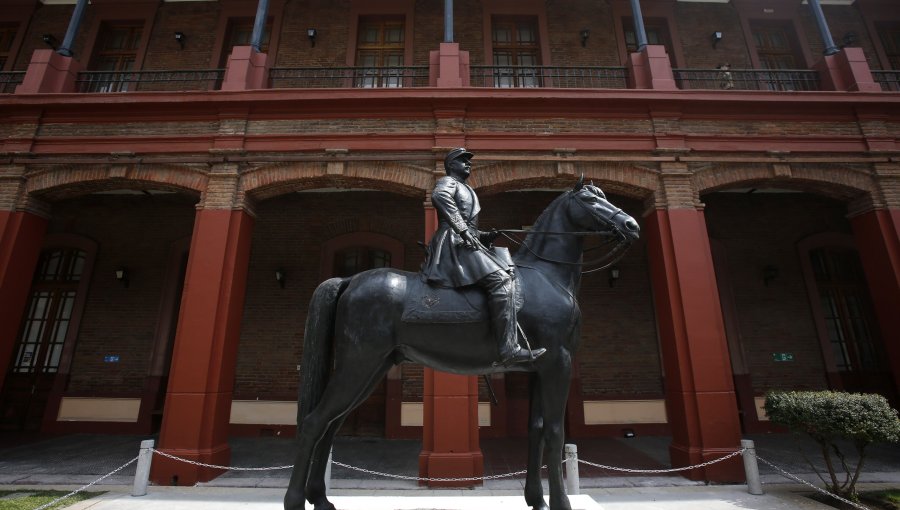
{"type": "Point", "coordinates": [469, 311]}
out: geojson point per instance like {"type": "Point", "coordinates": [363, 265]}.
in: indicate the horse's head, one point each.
{"type": "Point", "coordinates": [594, 212]}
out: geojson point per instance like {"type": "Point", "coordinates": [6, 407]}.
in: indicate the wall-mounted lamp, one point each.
{"type": "Point", "coordinates": [279, 277]}
{"type": "Point", "coordinates": [122, 276]}
{"type": "Point", "coordinates": [311, 33]}
{"type": "Point", "coordinates": [585, 33]}
{"type": "Point", "coordinates": [716, 38]}
{"type": "Point", "coordinates": [769, 274]}
{"type": "Point", "coordinates": [49, 40]}
{"type": "Point", "coordinates": [613, 275]}
{"type": "Point", "coordinates": [849, 39]}
{"type": "Point", "coordinates": [628, 433]}
{"type": "Point", "coordinates": [179, 38]}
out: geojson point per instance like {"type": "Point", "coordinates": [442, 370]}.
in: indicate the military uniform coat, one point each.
{"type": "Point", "coordinates": [449, 262]}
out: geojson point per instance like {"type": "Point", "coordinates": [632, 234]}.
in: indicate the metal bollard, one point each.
{"type": "Point", "coordinates": [142, 472]}
{"type": "Point", "coordinates": [751, 467]}
{"type": "Point", "coordinates": [573, 483]}
{"type": "Point", "coordinates": [328, 471]}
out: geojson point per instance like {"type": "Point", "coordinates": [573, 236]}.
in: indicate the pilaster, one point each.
{"type": "Point", "coordinates": [199, 394]}
{"type": "Point", "coordinates": [700, 397]}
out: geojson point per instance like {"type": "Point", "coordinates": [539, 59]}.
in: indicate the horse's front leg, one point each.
{"type": "Point", "coordinates": [554, 391]}
{"type": "Point", "coordinates": [534, 491]}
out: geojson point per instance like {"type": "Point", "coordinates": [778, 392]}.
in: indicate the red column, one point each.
{"type": "Point", "coordinates": [450, 447]}
{"type": "Point", "coordinates": [878, 241]}
{"type": "Point", "coordinates": [21, 236]}
{"type": "Point", "coordinates": [700, 398]}
{"type": "Point", "coordinates": [198, 402]}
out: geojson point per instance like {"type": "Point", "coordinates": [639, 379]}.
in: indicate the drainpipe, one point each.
{"type": "Point", "coordinates": [65, 49]}
{"type": "Point", "coordinates": [830, 48]}
{"type": "Point", "coordinates": [448, 21]}
{"type": "Point", "coordinates": [262, 9]}
{"type": "Point", "coordinates": [639, 32]}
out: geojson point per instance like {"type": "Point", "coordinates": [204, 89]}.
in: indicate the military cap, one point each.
{"type": "Point", "coordinates": [460, 152]}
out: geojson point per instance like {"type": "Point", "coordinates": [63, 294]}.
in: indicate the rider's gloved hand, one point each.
{"type": "Point", "coordinates": [487, 238]}
{"type": "Point", "coordinates": [469, 239]}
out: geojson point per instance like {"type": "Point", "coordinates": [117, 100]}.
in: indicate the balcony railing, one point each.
{"type": "Point", "coordinates": [9, 81]}
{"type": "Point", "coordinates": [348, 77]}
{"type": "Point", "coordinates": [889, 80]}
{"type": "Point", "coordinates": [747, 79]}
{"type": "Point", "coordinates": [548, 77]}
{"type": "Point", "coordinates": [130, 81]}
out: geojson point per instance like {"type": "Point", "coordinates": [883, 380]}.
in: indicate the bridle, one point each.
{"type": "Point", "coordinates": [605, 261]}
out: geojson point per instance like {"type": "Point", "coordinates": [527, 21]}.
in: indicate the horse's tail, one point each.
{"type": "Point", "coordinates": [317, 342]}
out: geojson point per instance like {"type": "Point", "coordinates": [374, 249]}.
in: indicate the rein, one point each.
{"type": "Point", "coordinates": [612, 257]}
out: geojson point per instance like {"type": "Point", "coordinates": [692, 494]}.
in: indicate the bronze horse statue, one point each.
{"type": "Point", "coordinates": [365, 324]}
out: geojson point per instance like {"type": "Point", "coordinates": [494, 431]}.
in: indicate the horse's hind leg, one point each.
{"type": "Point", "coordinates": [348, 377]}
{"type": "Point", "coordinates": [534, 492]}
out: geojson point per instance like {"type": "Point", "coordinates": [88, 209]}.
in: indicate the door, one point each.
{"type": "Point", "coordinates": [39, 347]}
{"type": "Point", "coordinates": [851, 330]}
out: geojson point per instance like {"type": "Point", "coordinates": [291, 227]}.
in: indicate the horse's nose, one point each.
{"type": "Point", "coordinates": [632, 225]}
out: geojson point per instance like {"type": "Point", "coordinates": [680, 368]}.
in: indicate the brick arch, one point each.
{"type": "Point", "coordinates": [841, 182]}
{"type": "Point", "coordinates": [66, 181]}
{"type": "Point", "coordinates": [614, 177]}
{"type": "Point", "coordinates": [403, 178]}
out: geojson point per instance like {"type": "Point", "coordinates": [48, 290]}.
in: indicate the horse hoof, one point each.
{"type": "Point", "coordinates": [324, 505]}
{"type": "Point", "coordinates": [542, 506]}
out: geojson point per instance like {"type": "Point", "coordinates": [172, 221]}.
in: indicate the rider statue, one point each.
{"type": "Point", "coordinates": [459, 256]}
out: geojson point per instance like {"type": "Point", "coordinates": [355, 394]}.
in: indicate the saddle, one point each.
{"type": "Point", "coordinates": [428, 304]}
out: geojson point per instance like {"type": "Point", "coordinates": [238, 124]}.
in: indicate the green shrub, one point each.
{"type": "Point", "coordinates": [829, 416]}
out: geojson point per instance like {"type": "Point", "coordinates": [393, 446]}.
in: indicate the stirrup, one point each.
{"type": "Point", "coordinates": [522, 356]}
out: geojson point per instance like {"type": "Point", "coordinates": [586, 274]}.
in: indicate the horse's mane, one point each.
{"type": "Point", "coordinates": [539, 222]}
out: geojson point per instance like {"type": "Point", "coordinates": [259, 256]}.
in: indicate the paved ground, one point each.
{"type": "Point", "coordinates": [70, 461]}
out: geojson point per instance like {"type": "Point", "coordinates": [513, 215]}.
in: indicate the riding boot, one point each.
{"type": "Point", "coordinates": [502, 307]}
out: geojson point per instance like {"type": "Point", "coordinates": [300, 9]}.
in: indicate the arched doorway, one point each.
{"type": "Point", "coordinates": [347, 255]}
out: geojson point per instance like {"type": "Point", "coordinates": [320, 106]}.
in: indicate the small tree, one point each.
{"type": "Point", "coordinates": [828, 416]}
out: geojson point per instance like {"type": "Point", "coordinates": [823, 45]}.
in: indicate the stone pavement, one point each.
{"type": "Point", "coordinates": [722, 497]}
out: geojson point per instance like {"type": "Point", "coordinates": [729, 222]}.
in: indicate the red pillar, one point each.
{"type": "Point", "coordinates": [700, 398]}
{"type": "Point", "coordinates": [450, 447]}
{"type": "Point", "coordinates": [878, 241]}
{"type": "Point", "coordinates": [21, 237]}
{"type": "Point", "coordinates": [198, 402]}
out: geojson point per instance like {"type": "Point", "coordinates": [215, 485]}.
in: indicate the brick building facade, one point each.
{"type": "Point", "coordinates": [152, 187]}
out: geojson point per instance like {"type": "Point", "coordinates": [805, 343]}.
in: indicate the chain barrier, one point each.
{"type": "Point", "coordinates": [808, 484]}
{"type": "Point", "coordinates": [85, 487]}
{"type": "Point", "coordinates": [424, 479]}
{"type": "Point", "coordinates": [479, 478]}
{"type": "Point", "coordinates": [670, 470]}
{"type": "Point", "coordinates": [213, 466]}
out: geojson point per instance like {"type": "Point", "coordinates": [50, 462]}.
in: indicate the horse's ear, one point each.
{"type": "Point", "coordinates": [579, 184]}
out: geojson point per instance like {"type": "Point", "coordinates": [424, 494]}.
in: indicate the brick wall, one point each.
{"type": "Point", "coordinates": [696, 23]}
{"type": "Point", "coordinates": [136, 232]}
{"type": "Point", "coordinates": [760, 230]}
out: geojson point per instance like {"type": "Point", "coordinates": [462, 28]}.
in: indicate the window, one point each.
{"type": "Point", "coordinates": [354, 260]}
{"type": "Point", "coordinates": [7, 35]}
{"type": "Point", "coordinates": [240, 33]}
{"type": "Point", "coordinates": [116, 52]}
{"type": "Point", "coordinates": [776, 45]}
{"type": "Point", "coordinates": [657, 30]}
{"type": "Point", "coordinates": [848, 319]}
{"type": "Point", "coordinates": [380, 46]}
{"type": "Point", "coordinates": [516, 51]}
{"type": "Point", "coordinates": [890, 39]}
